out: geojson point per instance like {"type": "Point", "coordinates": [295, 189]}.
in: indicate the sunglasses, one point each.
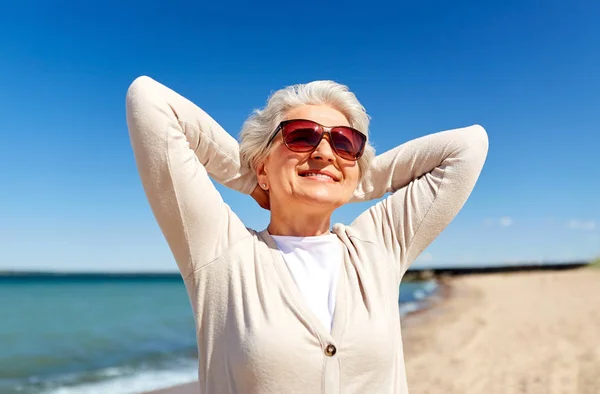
{"type": "Point", "coordinates": [300, 135]}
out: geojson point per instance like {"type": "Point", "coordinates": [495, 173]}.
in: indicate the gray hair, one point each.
{"type": "Point", "coordinates": [262, 123]}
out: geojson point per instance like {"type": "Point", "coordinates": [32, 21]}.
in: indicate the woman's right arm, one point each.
{"type": "Point", "coordinates": [176, 146]}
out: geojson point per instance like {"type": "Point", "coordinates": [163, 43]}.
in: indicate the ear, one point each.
{"type": "Point", "coordinates": [261, 173]}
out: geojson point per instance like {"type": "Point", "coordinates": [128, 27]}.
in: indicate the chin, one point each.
{"type": "Point", "coordinates": [323, 198]}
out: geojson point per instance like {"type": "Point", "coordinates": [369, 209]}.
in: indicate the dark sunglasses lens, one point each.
{"type": "Point", "coordinates": [301, 136]}
{"type": "Point", "coordinates": [348, 143]}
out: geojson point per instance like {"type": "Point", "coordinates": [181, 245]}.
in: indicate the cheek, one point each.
{"type": "Point", "coordinates": [353, 174]}
{"type": "Point", "coordinates": [281, 163]}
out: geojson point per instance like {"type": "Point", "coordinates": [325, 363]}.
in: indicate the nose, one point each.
{"type": "Point", "coordinates": [324, 150]}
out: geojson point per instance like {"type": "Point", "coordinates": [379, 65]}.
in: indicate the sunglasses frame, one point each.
{"type": "Point", "coordinates": [325, 130]}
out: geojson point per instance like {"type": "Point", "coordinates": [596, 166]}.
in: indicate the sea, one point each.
{"type": "Point", "coordinates": [65, 334]}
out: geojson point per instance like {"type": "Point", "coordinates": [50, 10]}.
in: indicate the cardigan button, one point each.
{"type": "Point", "coordinates": [330, 350]}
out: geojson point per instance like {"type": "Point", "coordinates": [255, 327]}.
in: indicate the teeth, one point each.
{"type": "Point", "coordinates": [318, 175]}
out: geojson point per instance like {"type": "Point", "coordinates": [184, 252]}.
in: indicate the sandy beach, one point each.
{"type": "Point", "coordinates": [532, 332]}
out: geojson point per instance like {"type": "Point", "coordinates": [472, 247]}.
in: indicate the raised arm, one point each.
{"type": "Point", "coordinates": [176, 146]}
{"type": "Point", "coordinates": [431, 178]}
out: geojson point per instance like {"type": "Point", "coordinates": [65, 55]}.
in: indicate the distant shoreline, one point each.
{"type": "Point", "coordinates": [460, 270]}
{"type": "Point", "coordinates": [88, 275]}
{"type": "Point", "coordinates": [412, 274]}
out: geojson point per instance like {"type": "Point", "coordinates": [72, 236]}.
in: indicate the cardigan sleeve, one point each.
{"type": "Point", "coordinates": [176, 147]}
{"type": "Point", "coordinates": [431, 178]}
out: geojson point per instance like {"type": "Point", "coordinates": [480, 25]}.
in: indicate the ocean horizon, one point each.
{"type": "Point", "coordinates": [65, 333]}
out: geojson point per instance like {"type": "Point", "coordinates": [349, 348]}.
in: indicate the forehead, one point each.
{"type": "Point", "coordinates": [322, 114]}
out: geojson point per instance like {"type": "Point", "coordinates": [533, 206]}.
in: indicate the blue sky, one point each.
{"type": "Point", "coordinates": [71, 199]}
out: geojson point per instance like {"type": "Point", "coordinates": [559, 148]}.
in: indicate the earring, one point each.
{"type": "Point", "coordinates": [264, 185]}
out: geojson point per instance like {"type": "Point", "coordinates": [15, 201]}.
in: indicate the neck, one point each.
{"type": "Point", "coordinates": [298, 221]}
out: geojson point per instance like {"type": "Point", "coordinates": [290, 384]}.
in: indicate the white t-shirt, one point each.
{"type": "Point", "coordinates": [314, 263]}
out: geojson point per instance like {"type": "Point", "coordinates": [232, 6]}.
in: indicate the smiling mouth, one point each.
{"type": "Point", "coordinates": [317, 175]}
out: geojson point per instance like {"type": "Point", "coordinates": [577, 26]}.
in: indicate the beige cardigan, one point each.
{"type": "Point", "coordinates": [255, 333]}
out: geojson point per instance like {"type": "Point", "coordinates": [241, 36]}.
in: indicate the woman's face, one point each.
{"type": "Point", "coordinates": [289, 175]}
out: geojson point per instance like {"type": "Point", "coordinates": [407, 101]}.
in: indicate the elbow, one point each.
{"type": "Point", "coordinates": [141, 96]}
{"type": "Point", "coordinates": [138, 102]}
{"type": "Point", "coordinates": [479, 135]}
{"type": "Point", "coordinates": [477, 139]}
{"type": "Point", "coordinates": [471, 146]}
{"type": "Point", "coordinates": [138, 89]}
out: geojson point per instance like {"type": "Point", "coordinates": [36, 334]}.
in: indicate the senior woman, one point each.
{"type": "Point", "coordinates": [300, 307]}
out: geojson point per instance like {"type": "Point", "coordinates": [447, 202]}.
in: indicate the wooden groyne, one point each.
{"type": "Point", "coordinates": [419, 273]}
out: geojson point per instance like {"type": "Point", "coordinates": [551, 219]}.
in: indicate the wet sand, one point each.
{"type": "Point", "coordinates": [526, 332]}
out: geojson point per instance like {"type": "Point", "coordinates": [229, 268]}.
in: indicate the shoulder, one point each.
{"type": "Point", "coordinates": [352, 233]}
{"type": "Point", "coordinates": [365, 246]}
{"type": "Point", "coordinates": [367, 254]}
